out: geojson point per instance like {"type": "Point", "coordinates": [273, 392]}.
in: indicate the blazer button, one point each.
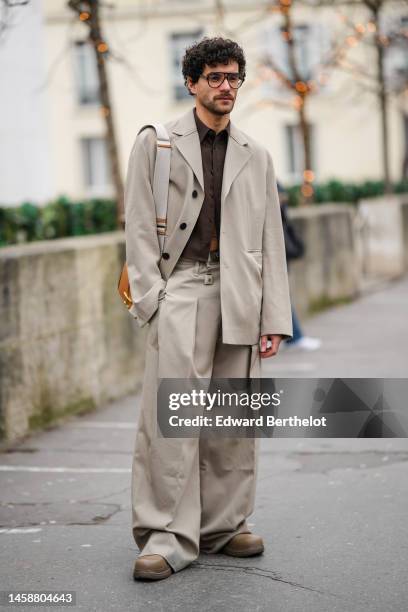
{"type": "Point", "coordinates": [194, 194]}
{"type": "Point", "coordinates": [183, 225]}
{"type": "Point", "coordinates": [166, 256]}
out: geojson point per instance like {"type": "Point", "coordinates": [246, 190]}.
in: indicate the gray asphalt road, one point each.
{"type": "Point", "coordinates": [333, 512]}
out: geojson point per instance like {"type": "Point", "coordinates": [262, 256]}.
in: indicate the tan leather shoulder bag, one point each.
{"type": "Point", "coordinates": [160, 194]}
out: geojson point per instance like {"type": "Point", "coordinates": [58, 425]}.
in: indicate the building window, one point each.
{"type": "Point", "coordinates": [396, 57]}
{"type": "Point", "coordinates": [178, 44]}
{"type": "Point", "coordinates": [311, 45]}
{"type": "Point", "coordinates": [295, 151]}
{"type": "Point", "coordinates": [95, 163]}
{"type": "Point", "coordinates": [303, 52]}
{"type": "Point", "coordinates": [86, 73]}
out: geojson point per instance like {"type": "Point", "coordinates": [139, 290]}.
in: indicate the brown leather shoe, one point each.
{"type": "Point", "coordinates": [151, 567]}
{"type": "Point", "coordinates": [244, 545]}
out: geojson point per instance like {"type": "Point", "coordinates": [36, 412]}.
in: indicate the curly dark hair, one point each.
{"type": "Point", "coordinates": [210, 52]}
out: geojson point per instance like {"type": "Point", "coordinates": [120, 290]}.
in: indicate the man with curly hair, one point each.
{"type": "Point", "coordinates": [216, 301]}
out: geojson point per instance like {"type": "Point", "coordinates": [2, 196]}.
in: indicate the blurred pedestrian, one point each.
{"type": "Point", "coordinates": [295, 249]}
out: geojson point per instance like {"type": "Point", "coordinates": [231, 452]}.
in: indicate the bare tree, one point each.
{"type": "Point", "coordinates": [379, 41]}
{"type": "Point", "coordinates": [88, 12]}
{"type": "Point", "coordinates": [301, 82]}
{"type": "Point", "coordinates": [384, 41]}
{"type": "Point", "coordinates": [397, 73]}
{"type": "Point", "coordinates": [399, 86]}
{"type": "Point", "coordinates": [302, 85]}
{"type": "Point", "coordinates": [378, 82]}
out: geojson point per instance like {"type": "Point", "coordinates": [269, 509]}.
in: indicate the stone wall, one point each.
{"type": "Point", "coordinates": [384, 235]}
{"type": "Point", "coordinates": [330, 270]}
{"type": "Point", "coordinates": [67, 343]}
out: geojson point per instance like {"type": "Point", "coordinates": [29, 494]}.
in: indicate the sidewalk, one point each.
{"type": "Point", "coordinates": [333, 513]}
{"type": "Point", "coordinates": [367, 338]}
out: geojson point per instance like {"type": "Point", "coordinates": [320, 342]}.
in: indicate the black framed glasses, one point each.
{"type": "Point", "coordinates": [215, 79]}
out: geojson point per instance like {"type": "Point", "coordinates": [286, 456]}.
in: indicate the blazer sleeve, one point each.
{"type": "Point", "coordinates": [276, 315]}
{"type": "Point", "coordinates": [142, 244]}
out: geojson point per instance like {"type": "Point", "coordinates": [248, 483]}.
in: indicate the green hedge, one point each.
{"type": "Point", "coordinates": [57, 219]}
{"type": "Point", "coordinates": [337, 191]}
{"type": "Point", "coordinates": [66, 218]}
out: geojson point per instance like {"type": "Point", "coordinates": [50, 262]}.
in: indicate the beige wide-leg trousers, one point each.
{"type": "Point", "coordinates": [190, 494]}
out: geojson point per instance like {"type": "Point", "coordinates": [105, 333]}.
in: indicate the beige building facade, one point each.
{"type": "Point", "coordinates": [148, 39]}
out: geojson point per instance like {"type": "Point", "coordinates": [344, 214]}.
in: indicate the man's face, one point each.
{"type": "Point", "coordinates": [217, 100]}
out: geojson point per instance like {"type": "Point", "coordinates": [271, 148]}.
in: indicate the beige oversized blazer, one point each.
{"type": "Point", "coordinates": [253, 272]}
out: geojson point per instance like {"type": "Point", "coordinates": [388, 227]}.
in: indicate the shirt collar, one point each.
{"type": "Point", "coordinates": [203, 129]}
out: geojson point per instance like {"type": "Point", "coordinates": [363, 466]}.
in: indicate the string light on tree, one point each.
{"type": "Point", "coordinates": [384, 40]}
{"type": "Point", "coordinates": [351, 41]}
{"type": "Point", "coordinates": [102, 47]}
{"type": "Point", "coordinates": [307, 190]}
{"type": "Point", "coordinates": [309, 176]}
{"type": "Point", "coordinates": [301, 87]}
{"type": "Point", "coordinates": [284, 6]}
{"type": "Point", "coordinates": [88, 12]}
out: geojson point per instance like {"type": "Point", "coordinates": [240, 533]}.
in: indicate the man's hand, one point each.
{"type": "Point", "coordinates": [269, 349]}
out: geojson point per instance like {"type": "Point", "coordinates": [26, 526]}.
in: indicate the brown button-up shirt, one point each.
{"type": "Point", "coordinates": [213, 150]}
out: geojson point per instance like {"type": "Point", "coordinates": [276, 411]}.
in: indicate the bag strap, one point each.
{"type": "Point", "coordinates": [161, 178]}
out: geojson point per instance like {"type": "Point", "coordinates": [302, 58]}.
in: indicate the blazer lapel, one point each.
{"type": "Point", "coordinates": [189, 144]}
{"type": "Point", "coordinates": [237, 155]}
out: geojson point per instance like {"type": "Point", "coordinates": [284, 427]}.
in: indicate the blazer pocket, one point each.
{"type": "Point", "coordinates": [254, 228]}
{"type": "Point", "coordinates": [257, 255]}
